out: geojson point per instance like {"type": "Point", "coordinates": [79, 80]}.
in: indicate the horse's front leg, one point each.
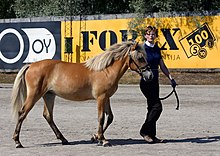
{"type": "Point", "coordinates": [101, 119]}
{"type": "Point", "coordinates": [109, 114]}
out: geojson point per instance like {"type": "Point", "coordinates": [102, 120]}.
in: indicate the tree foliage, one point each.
{"type": "Point", "coordinates": [149, 6]}
{"type": "Point", "coordinates": [146, 7]}
{"type": "Point", "coordinates": [6, 9]}
{"type": "Point", "coordinates": [33, 8]}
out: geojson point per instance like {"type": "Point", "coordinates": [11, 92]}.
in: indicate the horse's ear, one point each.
{"type": "Point", "coordinates": [134, 46]}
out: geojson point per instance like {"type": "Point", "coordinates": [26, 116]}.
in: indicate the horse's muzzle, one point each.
{"type": "Point", "coordinates": [147, 75]}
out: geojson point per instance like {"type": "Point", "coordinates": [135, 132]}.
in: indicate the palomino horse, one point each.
{"type": "Point", "coordinates": [97, 79]}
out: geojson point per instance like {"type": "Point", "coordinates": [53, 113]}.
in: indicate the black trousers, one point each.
{"type": "Point", "coordinates": [154, 107]}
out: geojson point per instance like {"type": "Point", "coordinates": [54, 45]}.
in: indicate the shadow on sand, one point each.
{"type": "Point", "coordinates": [120, 142]}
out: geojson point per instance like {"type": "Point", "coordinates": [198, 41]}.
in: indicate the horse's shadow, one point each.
{"type": "Point", "coordinates": [120, 142]}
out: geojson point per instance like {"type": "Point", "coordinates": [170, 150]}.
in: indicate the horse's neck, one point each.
{"type": "Point", "coordinates": [118, 68]}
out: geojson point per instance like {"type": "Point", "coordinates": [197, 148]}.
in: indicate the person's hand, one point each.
{"type": "Point", "coordinates": [173, 83]}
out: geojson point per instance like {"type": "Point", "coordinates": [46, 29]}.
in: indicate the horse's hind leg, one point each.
{"type": "Point", "coordinates": [28, 105]}
{"type": "Point", "coordinates": [16, 134]}
{"type": "Point", "coordinates": [48, 115]}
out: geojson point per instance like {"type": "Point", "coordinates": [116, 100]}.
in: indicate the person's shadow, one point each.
{"type": "Point", "coordinates": [120, 142]}
{"type": "Point", "coordinates": [199, 140]}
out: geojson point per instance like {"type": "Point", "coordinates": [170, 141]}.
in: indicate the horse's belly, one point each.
{"type": "Point", "coordinates": [76, 97]}
{"type": "Point", "coordinates": [79, 95]}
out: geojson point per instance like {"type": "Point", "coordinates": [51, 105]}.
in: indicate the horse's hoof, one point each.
{"type": "Point", "coordinates": [19, 146]}
{"type": "Point", "coordinates": [106, 144]}
{"type": "Point", "coordinates": [94, 138]}
{"type": "Point", "coordinates": [100, 143]}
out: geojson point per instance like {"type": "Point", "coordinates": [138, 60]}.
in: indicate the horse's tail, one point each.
{"type": "Point", "coordinates": [19, 91]}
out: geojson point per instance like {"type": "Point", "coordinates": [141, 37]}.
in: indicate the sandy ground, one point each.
{"type": "Point", "coordinates": [194, 130]}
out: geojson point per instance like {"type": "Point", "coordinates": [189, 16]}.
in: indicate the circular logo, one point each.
{"type": "Point", "coordinates": [194, 49]}
{"type": "Point", "coordinates": [209, 43]}
{"type": "Point", "coordinates": [20, 53]}
{"type": "Point", "coordinates": [202, 53]}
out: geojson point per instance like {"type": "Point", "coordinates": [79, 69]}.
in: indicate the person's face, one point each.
{"type": "Point", "coordinates": [150, 36]}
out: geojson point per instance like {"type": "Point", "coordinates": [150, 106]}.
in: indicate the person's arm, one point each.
{"type": "Point", "coordinates": [166, 72]}
{"type": "Point", "coordinates": [164, 69]}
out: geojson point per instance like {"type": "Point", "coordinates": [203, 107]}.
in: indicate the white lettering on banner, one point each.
{"type": "Point", "coordinates": [20, 53]}
{"type": "Point", "coordinates": [42, 44]}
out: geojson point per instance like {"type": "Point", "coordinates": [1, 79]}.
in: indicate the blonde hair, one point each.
{"type": "Point", "coordinates": [115, 52]}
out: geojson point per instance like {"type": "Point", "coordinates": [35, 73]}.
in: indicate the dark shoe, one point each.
{"type": "Point", "coordinates": [156, 140]}
{"type": "Point", "coordinates": [147, 138]}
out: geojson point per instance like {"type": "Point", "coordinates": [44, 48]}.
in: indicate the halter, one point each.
{"type": "Point", "coordinates": [140, 69]}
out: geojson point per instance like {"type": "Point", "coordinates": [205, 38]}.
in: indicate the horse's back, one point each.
{"type": "Point", "coordinates": [67, 80]}
{"type": "Point", "coordinates": [41, 68]}
{"type": "Point", "coordinates": [49, 67]}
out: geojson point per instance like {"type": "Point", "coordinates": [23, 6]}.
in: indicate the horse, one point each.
{"type": "Point", "coordinates": [97, 78]}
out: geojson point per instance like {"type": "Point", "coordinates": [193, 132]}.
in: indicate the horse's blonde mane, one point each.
{"type": "Point", "coordinates": [103, 60]}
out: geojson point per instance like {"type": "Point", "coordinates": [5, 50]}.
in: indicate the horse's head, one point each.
{"type": "Point", "coordinates": [138, 62]}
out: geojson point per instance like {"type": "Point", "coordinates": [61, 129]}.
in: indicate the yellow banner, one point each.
{"type": "Point", "coordinates": [186, 42]}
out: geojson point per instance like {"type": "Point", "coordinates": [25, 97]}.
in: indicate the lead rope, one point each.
{"type": "Point", "coordinates": [177, 98]}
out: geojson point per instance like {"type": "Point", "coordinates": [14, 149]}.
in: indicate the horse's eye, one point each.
{"type": "Point", "coordinates": [141, 59]}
